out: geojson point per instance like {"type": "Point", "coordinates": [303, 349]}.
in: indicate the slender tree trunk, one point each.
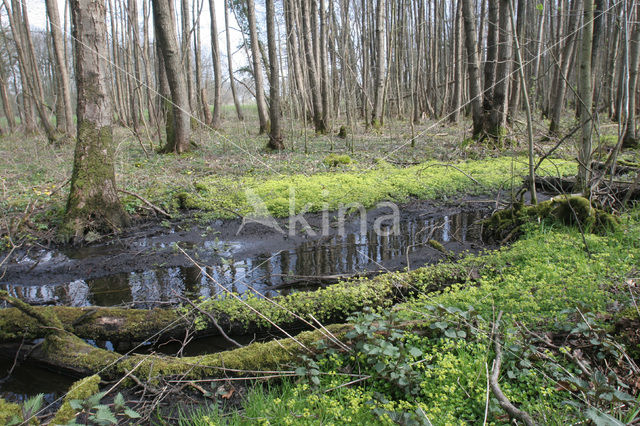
{"type": "Point", "coordinates": [585, 92]}
{"type": "Point", "coordinates": [324, 66]}
{"type": "Point", "coordinates": [560, 85]}
{"type": "Point", "coordinates": [217, 68]}
{"type": "Point", "coordinates": [497, 115]}
{"type": "Point", "coordinates": [257, 68]}
{"type": "Point", "coordinates": [454, 117]}
{"type": "Point", "coordinates": [376, 114]}
{"type": "Point", "coordinates": [61, 66]}
{"type": "Point", "coordinates": [473, 67]}
{"type": "Point", "coordinates": [630, 138]}
{"type": "Point", "coordinates": [165, 28]}
{"type": "Point", "coordinates": [312, 69]}
{"type": "Point", "coordinates": [93, 202]}
{"type": "Point", "coordinates": [232, 81]}
{"type": "Point", "coordinates": [491, 58]}
{"type": "Point", "coordinates": [275, 133]}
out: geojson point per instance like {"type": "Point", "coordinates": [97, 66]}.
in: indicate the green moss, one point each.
{"type": "Point", "coordinates": [82, 389]}
{"type": "Point", "coordinates": [342, 134]}
{"type": "Point", "coordinates": [8, 410]}
{"type": "Point", "coordinates": [571, 211]}
{"type": "Point", "coordinates": [430, 180]}
{"type": "Point", "coordinates": [437, 245]}
{"type": "Point", "coordinates": [334, 160]}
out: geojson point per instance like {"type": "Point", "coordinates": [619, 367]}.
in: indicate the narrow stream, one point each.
{"type": "Point", "coordinates": [268, 273]}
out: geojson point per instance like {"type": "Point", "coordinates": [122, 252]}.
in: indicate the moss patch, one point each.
{"type": "Point", "coordinates": [8, 410]}
{"type": "Point", "coordinates": [82, 389]}
{"type": "Point", "coordinates": [293, 194]}
{"type": "Point", "coordinates": [571, 211]}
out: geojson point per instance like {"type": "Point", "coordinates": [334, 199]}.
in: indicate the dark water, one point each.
{"type": "Point", "coordinates": [30, 379]}
{"type": "Point", "coordinates": [266, 274]}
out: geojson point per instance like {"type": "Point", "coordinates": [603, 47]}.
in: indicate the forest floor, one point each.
{"type": "Point", "coordinates": [569, 327]}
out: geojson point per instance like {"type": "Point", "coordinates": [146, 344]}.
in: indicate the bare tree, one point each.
{"type": "Point", "coordinates": [376, 114]}
{"type": "Point", "coordinates": [217, 73]}
{"type": "Point", "coordinates": [232, 81]}
{"type": "Point", "coordinates": [473, 67]}
{"type": "Point", "coordinates": [93, 202]}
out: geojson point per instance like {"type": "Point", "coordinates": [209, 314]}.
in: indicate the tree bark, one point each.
{"type": "Point", "coordinates": [165, 28]}
{"type": "Point", "coordinates": [275, 134]}
{"type": "Point", "coordinates": [376, 114]}
{"type": "Point", "coordinates": [61, 65]}
{"type": "Point", "coordinates": [630, 138]}
{"type": "Point", "coordinates": [473, 67]}
{"type": "Point", "coordinates": [257, 68]}
{"type": "Point", "coordinates": [495, 125]}
{"type": "Point", "coordinates": [585, 93]}
{"type": "Point", "coordinates": [217, 73]}
{"type": "Point", "coordinates": [93, 202]}
{"type": "Point", "coordinates": [232, 81]}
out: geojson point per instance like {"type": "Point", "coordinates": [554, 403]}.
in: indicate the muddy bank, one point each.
{"type": "Point", "coordinates": [144, 268]}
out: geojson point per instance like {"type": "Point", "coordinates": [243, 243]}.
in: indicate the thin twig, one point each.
{"type": "Point", "coordinates": [495, 387]}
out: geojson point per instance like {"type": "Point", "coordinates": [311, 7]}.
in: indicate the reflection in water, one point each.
{"type": "Point", "coordinates": [332, 255]}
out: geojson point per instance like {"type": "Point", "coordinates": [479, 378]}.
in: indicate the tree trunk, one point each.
{"type": "Point", "coordinates": [257, 68]}
{"type": "Point", "coordinates": [491, 58]}
{"type": "Point", "coordinates": [275, 134]}
{"type": "Point", "coordinates": [473, 67]}
{"type": "Point", "coordinates": [585, 93]}
{"type": "Point", "coordinates": [454, 116]}
{"type": "Point", "coordinates": [376, 114]}
{"type": "Point", "coordinates": [232, 81]}
{"type": "Point", "coordinates": [630, 139]}
{"type": "Point", "coordinates": [497, 115]}
{"type": "Point", "coordinates": [217, 73]}
{"type": "Point", "coordinates": [61, 66]}
{"type": "Point", "coordinates": [312, 69]}
{"type": "Point", "coordinates": [560, 84]}
{"type": "Point", "coordinates": [93, 202]}
{"type": "Point", "coordinates": [165, 28]}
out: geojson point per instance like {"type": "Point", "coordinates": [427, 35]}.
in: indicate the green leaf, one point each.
{"type": "Point", "coordinates": [104, 414]}
{"type": "Point", "coordinates": [131, 413]}
{"type": "Point", "coordinates": [602, 419]}
{"type": "Point", "coordinates": [415, 352]}
{"type": "Point", "coordinates": [118, 401]}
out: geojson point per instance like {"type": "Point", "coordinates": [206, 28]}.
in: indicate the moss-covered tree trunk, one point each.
{"type": "Point", "coordinates": [93, 202]}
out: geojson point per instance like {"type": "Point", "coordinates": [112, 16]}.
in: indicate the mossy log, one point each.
{"type": "Point", "coordinates": [71, 355]}
{"type": "Point", "coordinates": [331, 304]}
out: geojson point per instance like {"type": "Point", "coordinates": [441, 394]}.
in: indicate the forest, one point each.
{"type": "Point", "coordinates": [411, 212]}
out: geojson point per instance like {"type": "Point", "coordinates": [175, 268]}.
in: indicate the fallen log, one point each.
{"type": "Point", "coordinates": [566, 185]}
{"type": "Point", "coordinates": [331, 304]}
